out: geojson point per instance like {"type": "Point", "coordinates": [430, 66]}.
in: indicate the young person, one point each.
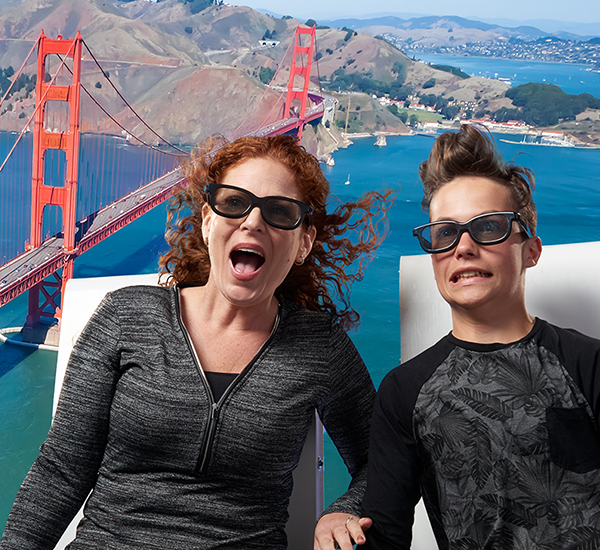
{"type": "Point", "coordinates": [496, 425]}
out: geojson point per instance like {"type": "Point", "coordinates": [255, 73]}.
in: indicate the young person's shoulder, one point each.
{"type": "Point", "coordinates": [406, 380]}
{"type": "Point", "coordinates": [578, 353]}
{"type": "Point", "coordinates": [567, 344]}
{"type": "Point", "coordinates": [571, 340]}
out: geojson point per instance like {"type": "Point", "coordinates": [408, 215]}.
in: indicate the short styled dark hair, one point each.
{"type": "Point", "coordinates": [472, 152]}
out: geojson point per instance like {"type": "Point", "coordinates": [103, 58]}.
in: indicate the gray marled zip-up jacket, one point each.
{"type": "Point", "coordinates": [169, 468]}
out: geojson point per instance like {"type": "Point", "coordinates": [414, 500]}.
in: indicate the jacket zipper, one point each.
{"type": "Point", "coordinates": [209, 437]}
{"type": "Point", "coordinates": [215, 408]}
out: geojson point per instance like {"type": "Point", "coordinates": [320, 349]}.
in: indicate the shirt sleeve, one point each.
{"type": "Point", "coordinates": [393, 474]}
{"type": "Point", "coordinates": [580, 356]}
{"type": "Point", "coordinates": [346, 415]}
{"type": "Point", "coordinates": [67, 467]}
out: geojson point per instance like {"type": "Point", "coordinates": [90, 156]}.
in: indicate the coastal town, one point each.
{"type": "Point", "coordinates": [548, 49]}
{"type": "Point", "coordinates": [527, 134]}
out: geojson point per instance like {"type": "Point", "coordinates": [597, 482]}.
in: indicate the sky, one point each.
{"type": "Point", "coordinates": [581, 11]}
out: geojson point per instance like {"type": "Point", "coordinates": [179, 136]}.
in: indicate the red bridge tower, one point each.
{"type": "Point", "coordinates": [300, 75]}
{"type": "Point", "coordinates": [44, 297]}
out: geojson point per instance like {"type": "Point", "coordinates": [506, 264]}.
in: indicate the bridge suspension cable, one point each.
{"type": "Point", "coordinates": [129, 106]}
{"type": "Point", "coordinates": [236, 132]}
{"type": "Point", "coordinates": [316, 49]}
{"type": "Point", "coordinates": [35, 45]}
{"type": "Point", "coordinates": [126, 130]}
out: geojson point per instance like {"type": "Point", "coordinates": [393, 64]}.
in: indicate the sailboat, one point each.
{"type": "Point", "coordinates": [348, 180]}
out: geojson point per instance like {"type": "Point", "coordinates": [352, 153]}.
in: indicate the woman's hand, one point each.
{"type": "Point", "coordinates": [343, 529]}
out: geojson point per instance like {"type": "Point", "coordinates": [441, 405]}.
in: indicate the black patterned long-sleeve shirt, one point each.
{"type": "Point", "coordinates": [168, 467]}
{"type": "Point", "coordinates": [501, 441]}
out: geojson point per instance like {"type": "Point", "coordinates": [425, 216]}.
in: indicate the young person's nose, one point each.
{"type": "Point", "coordinates": [466, 246]}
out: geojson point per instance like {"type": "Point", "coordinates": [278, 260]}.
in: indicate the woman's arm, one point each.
{"type": "Point", "coordinates": [66, 469]}
{"type": "Point", "coordinates": [346, 414]}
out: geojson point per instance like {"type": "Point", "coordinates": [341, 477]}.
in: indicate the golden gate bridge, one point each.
{"type": "Point", "coordinates": [45, 224]}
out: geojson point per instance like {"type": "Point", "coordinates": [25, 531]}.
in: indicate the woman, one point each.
{"type": "Point", "coordinates": [185, 408]}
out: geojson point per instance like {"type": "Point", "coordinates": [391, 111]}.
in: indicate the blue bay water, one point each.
{"type": "Point", "coordinates": [568, 199]}
{"type": "Point", "coordinates": [572, 78]}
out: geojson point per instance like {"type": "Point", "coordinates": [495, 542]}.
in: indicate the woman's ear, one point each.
{"type": "Point", "coordinates": [206, 221]}
{"type": "Point", "coordinates": [308, 238]}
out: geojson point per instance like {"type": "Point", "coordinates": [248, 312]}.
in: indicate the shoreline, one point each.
{"type": "Point", "coordinates": [578, 143]}
{"type": "Point", "coordinates": [375, 134]}
{"type": "Point", "coordinates": [585, 66]}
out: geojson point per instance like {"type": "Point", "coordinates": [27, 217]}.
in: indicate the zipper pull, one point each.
{"type": "Point", "coordinates": [215, 412]}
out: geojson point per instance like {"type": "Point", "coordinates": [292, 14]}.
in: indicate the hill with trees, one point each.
{"type": "Point", "coordinates": [544, 104]}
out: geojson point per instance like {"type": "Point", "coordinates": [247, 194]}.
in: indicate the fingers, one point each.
{"type": "Point", "coordinates": [365, 523]}
{"type": "Point", "coordinates": [355, 530]}
{"type": "Point", "coordinates": [332, 531]}
{"type": "Point", "coordinates": [337, 530]}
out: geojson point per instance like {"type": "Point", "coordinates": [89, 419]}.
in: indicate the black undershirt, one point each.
{"type": "Point", "coordinates": [219, 382]}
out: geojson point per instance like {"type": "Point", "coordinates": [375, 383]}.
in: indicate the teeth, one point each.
{"type": "Point", "coordinates": [469, 274]}
{"type": "Point", "coordinates": [250, 251]}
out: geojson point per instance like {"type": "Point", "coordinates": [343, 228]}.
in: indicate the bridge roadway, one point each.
{"type": "Point", "coordinates": [33, 266]}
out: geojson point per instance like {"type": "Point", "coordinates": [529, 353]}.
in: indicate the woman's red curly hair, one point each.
{"type": "Point", "coordinates": [325, 269]}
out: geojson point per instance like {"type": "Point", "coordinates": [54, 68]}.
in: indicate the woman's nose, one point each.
{"type": "Point", "coordinates": [254, 219]}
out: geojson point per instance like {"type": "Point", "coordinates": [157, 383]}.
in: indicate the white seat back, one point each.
{"type": "Point", "coordinates": [562, 289]}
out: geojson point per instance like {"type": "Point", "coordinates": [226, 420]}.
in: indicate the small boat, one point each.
{"type": "Point", "coordinates": [381, 141]}
{"type": "Point", "coordinates": [348, 180]}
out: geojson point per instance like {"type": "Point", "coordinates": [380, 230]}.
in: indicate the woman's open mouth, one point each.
{"type": "Point", "coordinates": [246, 260]}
